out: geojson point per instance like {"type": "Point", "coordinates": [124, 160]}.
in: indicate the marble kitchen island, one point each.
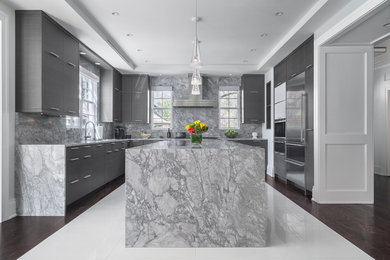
{"type": "Point", "coordinates": [179, 196]}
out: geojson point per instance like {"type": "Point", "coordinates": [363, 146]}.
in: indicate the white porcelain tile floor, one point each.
{"type": "Point", "coordinates": [99, 233]}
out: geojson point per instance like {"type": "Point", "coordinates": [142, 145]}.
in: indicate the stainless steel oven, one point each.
{"type": "Point", "coordinates": [280, 129]}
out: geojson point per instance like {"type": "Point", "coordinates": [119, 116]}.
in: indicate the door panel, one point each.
{"type": "Point", "coordinates": [345, 162]}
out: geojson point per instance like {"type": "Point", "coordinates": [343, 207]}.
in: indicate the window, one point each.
{"type": "Point", "coordinates": [229, 107]}
{"type": "Point", "coordinates": [161, 107]}
{"type": "Point", "coordinates": [89, 84]}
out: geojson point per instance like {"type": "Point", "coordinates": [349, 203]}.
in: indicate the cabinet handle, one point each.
{"type": "Point", "coordinates": [116, 119]}
{"type": "Point", "coordinates": [74, 148]}
{"type": "Point", "coordinates": [254, 120]}
{"type": "Point", "coordinates": [87, 156]}
{"type": "Point", "coordinates": [123, 148]}
{"type": "Point", "coordinates": [293, 75]}
{"type": "Point", "coordinates": [242, 107]}
{"type": "Point", "coordinates": [138, 120]}
{"type": "Point", "coordinates": [54, 54]}
{"type": "Point", "coordinates": [138, 92]}
{"type": "Point", "coordinates": [75, 181]}
{"type": "Point", "coordinates": [54, 108]}
{"type": "Point", "coordinates": [74, 159]}
{"type": "Point", "coordinates": [109, 151]}
{"type": "Point", "coordinates": [117, 89]}
{"type": "Point", "coordinates": [116, 150]}
{"type": "Point", "coordinates": [87, 176]}
{"type": "Point", "coordinates": [99, 145]}
{"type": "Point", "coordinates": [87, 146]}
{"type": "Point", "coordinates": [72, 112]}
{"type": "Point", "coordinates": [71, 64]}
{"type": "Point", "coordinates": [308, 66]}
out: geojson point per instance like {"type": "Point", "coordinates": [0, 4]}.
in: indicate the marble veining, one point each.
{"type": "Point", "coordinates": [40, 180]}
{"type": "Point", "coordinates": [183, 197]}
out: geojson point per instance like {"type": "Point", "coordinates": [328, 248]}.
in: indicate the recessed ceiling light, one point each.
{"type": "Point", "coordinates": [245, 61]}
{"type": "Point", "coordinates": [230, 74]}
{"type": "Point", "coordinates": [139, 50]}
{"type": "Point", "coordinates": [264, 35]}
{"type": "Point", "coordinates": [147, 61]}
{"type": "Point", "coordinates": [160, 74]}
{"type": "Point", "coordinates": [279, 13]}
{"type": "Point", "coordinates": [83, 53]}
{"type": "Point", "coordinates": [252, 50]}
{"type": "Point", "coordinates": [115, 13]}
{"type": "Point", "coordinates": [129, 35]}
{"type": "Point", "coordinates": [386, 25]}
{"type": "Point", "coordinates": [97, 63]}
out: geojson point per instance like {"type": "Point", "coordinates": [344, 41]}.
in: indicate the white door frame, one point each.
{"type": "Point", "coordinates": [387, 113]}
{"type": "Point", "coordinates": [1, 114]}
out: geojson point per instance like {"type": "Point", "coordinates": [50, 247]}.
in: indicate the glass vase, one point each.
{"type": "Point", "coordinates": [196, 140]}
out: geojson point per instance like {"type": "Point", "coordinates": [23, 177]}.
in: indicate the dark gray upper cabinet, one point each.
{"type": "Point", "coordinates": [111, 96]}
{"type": "Point", "coordinates": [309, 52]}
{"type": "Point", "coordinates": [280, 73]}
{"type": "Point", "coordinates": [135, 99]}
{"type": "Point", "coordinates": [47, 66]}
{"type": "Point", "coordinates": [295, 63]}
{"type": "Point", "coordinates": [253, 98]}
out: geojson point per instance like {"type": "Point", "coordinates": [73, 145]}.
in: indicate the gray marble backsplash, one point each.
{"type": "Point", "coordinates": [38, 129]}
{"type": "Point", "coordinates": [183, 116]}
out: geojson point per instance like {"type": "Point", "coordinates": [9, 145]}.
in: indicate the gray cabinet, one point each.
{"type": "Point", "coordinates": [280, 73]}
{"type": "Point", "coordinates": [135, 99]}
{"type": "Point", "coordinates": [253, 99]}
{"type": "Point", "coordinates": [47, 71]}
{"type": "Point", "coordinates": [280, 165]}
{"type": "Point", "coordinates": [309, 53]}
{"type": "Point", "coordinates": [295, 63]}
{"type": "Point", "coordinates": [111, 96]}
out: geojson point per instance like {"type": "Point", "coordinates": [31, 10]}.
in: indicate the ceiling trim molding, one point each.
{"type": "Point", "coordinates": [98, 28]}
{"type": "Point", "coordinates": [292, 32]}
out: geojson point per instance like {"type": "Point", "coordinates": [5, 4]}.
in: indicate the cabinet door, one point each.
{"type": "Point", "coordinates": [280, 165]}
{"type": "Point", "coordinates": [53, 84]}
{"type": "Point", "coordinates": [126, 107]}
{"type": "Point", "coordinates": [139, 107]}
{"type": "Point", "coordinates": [253, 98]}
{"type": "Point", "coordinates": [309, 53]}
{"type": "Point", "coordinates": [295, 63]}
{"type": "Point", "coordinates": [71, 76]}
{"type": "Point", "coordinates": [309, 132]}
{"type": "Point", "coordinates": [52, 38]}
{"type": "Point", "coordinates": [117, 105]}
{"type": "Point", "coordinates": [140, 83]}
{"type": "Point", "coordinates": [280, 75]}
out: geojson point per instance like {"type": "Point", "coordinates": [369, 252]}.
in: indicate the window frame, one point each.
{"type": "Point", "coordinates": [230, 88]}
{"type": "Point", "coordinates": [96, 78]}
{"type": "Point", "coordinates": [152, 108]}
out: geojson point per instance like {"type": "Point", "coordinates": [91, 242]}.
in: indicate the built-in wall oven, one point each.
{"type": "Point", "coordinates": [280, 129]}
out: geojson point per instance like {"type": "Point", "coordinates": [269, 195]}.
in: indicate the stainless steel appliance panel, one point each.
{"type": "Point", "coordinates": [295, 109]}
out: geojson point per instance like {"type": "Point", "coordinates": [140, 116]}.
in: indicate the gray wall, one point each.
{"type": "Point", "coordinates": [184, 116]}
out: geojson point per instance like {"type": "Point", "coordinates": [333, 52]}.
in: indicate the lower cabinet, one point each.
{"type": "Point", "coordinates": [89, 167]}
{"type": "Point", "coordinates": [280, 165]}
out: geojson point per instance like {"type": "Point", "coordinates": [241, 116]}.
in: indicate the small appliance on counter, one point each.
{"type": "Point", "coordinates": [180, 135]}
{"type": "Point", "coordinates": [119, 133]}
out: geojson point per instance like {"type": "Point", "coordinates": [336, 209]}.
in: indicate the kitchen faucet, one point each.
{"type": "Point", "coordinates": [94, 131]}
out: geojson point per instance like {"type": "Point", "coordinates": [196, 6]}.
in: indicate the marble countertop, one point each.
{"type": "Point", "coordinates": [186, 145]}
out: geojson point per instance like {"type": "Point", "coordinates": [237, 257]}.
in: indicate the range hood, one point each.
{"type": "Point", "coordinates": [195, 100]}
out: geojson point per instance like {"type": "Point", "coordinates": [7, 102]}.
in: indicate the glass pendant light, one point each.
{"type": "Point", "coordinates": [195, 61]}
{"type": "Point", "coordinates": [196, 81]}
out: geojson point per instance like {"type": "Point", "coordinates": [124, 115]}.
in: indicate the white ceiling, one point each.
{"type": "Point", "coordinates": [163, 30]}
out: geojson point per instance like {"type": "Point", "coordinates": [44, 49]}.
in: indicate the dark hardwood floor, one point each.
{"type": "Point", "coordinates": [20, 234]}
{"type": "Point", "coordinates": [366, 226]}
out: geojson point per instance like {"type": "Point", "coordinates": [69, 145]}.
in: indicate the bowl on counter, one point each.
{"type": "Point", "coordinates": [231, 135]}
{"type": "Point", "coordinates": [145, 135]}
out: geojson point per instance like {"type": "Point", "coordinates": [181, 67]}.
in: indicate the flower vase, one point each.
{"type": "Point", "coordinates": [196, 140]}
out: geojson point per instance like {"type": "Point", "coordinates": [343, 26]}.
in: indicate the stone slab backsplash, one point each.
{"type": "Point", "coordinates": [183, 116]}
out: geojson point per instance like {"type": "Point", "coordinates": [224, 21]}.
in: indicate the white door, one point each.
{"type": "Point", "coordinates": [345, 138]}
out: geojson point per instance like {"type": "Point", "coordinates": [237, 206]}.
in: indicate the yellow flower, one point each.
{"type": "Point", "coordinates": [188, 127]}
{"type": "Point", "coordinates": [202, 125]}
{"type": "Point", "coordinates": [197, 122]}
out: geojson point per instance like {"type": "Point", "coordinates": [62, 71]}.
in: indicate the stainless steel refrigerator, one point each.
{"type": "Point", "coordinates": [296, 114]}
